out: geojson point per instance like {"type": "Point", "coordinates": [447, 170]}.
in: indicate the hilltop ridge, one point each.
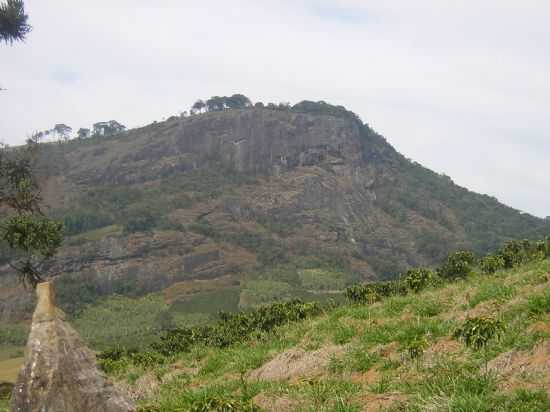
{"type": "Point", "coordinates": [274, 202]}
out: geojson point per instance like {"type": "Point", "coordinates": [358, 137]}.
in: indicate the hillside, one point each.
{"type": "Point", "coordinates": [398, 353]}
{"type": "Point", "coordinates": [172, 223]}
{"type": "Point", "coordinates": [249, 206]}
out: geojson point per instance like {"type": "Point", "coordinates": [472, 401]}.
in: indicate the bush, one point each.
{"type": "Point", "coordinates": [478, 332]}
{"type": "Point", "coordinates": [543, 247]}
{"type": "Point", "coordinates": [114, 360]}
{"type": "Point", "coordinates": [491, 263]}
{"type": "Point", "coordinates": [418, 279]}
{"type": "Point", "coordinates": [373, 292]}
{"type": "Point", "coordinates": [517, 252]}
{"type": "Point", "coordinates": [236, 327]}
{"type": "Point", "coordinates": [458, 265]}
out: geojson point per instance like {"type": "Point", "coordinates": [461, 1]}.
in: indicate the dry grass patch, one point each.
{"type": "Point", "coordinates": [525, 369]}
{"type": "Point", "coordinates": [297, 363]}
{"type": "Point", "coordinates": [9, 369]}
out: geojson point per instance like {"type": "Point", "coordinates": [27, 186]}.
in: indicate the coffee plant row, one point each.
{"type": "Point", "coordinates": [457, 265]}
{"type": "Point", "coordinates": [232, 328]}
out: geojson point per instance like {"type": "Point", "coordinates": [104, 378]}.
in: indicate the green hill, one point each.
{"type": "Point", "coordinates": [393, 346]}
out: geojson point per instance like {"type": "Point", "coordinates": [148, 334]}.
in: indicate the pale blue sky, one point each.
{"type": "Point", "coordinates": [461, 87]}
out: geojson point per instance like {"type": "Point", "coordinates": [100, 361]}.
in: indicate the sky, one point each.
{"type": "Point", "coordinates": [462, 87]}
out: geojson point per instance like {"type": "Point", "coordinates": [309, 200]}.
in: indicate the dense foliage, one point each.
{"type": "Point", "coordinates": [458, 265]}
{"type": "Point", "coordinates": [33, 237]}
{"type": "Point", "coordinates": [477, 332]}
{"type": "Point", "coordinates": [232, 328]}
{"type": "Point", "coordinates": [373, 292]}
{"type": "Point", "coordinates": [418, 279]}
{"type": "Point", "coordinates": [13, 21]}
{"type": "Point", "coordinates": [235, 327]}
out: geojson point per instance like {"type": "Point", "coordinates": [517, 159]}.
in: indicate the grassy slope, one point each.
{"type": "Point", "coordinates": [374, 369]}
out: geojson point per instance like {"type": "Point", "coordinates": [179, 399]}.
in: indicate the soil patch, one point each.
{"type": "Point", "coordinates": [523, 368]}
{"type": "Point", "coordinates": [297, 363]}
{"type": "Point", "coordinates": [380, 402]}
{"type": "Point", "coordinates": [282, 404]}
{"type": "Point", "coordinates": [539, 327]}
{"type": "Point", "coordinates": [367, 378]}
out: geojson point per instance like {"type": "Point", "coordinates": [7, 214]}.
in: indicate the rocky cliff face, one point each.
{"type": "Point", "coordinates": [239, 192]}
{"type": "Point", "coordinates": [60, 372]}
{"type": "Point", "coordinates": [251, 141]}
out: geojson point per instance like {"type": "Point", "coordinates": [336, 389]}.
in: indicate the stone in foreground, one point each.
{"type": "Point", "coordinates": [60, 372]}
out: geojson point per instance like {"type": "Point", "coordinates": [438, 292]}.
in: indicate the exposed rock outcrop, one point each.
{"type": "Point", "coordinates": [60, 373]}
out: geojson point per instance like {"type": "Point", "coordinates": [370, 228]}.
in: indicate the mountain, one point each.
{"type": "Point", "coordinates": [254, 204]}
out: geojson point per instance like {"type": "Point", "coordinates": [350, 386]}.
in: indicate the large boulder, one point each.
{"type": "Point", "coordinates": [60, 372]}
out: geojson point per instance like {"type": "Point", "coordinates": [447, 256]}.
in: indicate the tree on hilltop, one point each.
{"type": "Point", "coordinates": [219, 103]}
{"type": "Point", "coordinates": [199, 106]}
{"type": "Point", "coordinates": [215, 104]}
{"type": "Point", "coordinates": [63, 130]}
{"type": "Point", "coordinates": [237, 101]}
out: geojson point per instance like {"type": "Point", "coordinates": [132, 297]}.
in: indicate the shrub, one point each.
{"type": "Point", "coordinates": [114, 360]}
{"type": "Point", "coordinates": [491, 263]}
{"type": "Point", "coordinates": [458, 265]}
{"type": "Point", "coordinates": [373, 292]}
{"type": "Point", "coordinates": [236, 327]}
{"type": "Point", "coordinates": [543, 247]}
{"type": "Point", "coordinates": [147, 358]}
{"type": "Point", "coordinates": [415, 348]}
{"type": "Point", "coordinates": [418, 279]}
{"type": "Point", "coordinates": [517, 252]}
{"type": "Point", "coordinates": [478, 332]}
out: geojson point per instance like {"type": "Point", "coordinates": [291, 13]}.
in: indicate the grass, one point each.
{"type": "Point", "coordinates": [96, 234]}
{"type": "Point", "coordinates": [211, 302]}
{"type": "Point", "coordinates": [257, 292]}
{"type": "Point", "coordinates": [11, 352]}
{"type": "Point", "coordinates": [539, 304]}
{"type": "Point", "coordinates": [492, 290]}
{"type": "Point", "coordinates": [9, 369]}
{"type": "Point", "coordinates": [121, 321]}
{"type": "Point", "coordinates": [373, 361]}
{"type": "Point", "coordinates": [374, 338]}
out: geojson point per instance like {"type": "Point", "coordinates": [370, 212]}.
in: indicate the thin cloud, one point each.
{"type": "Point", "coordinates": [461, 87]}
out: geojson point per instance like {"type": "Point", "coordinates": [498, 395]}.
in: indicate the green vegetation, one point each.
{"type": "Point", "coordinates": [33, 237]}
{"type": "Point", "coordinates": [391, 340]}
{"type": "Point", "coordinates": [539, 304]}
{"type": "Point", "coordinates": [418, 279]}
{"type": "Point", "coordinates": [13, 334]}
{"type": "Point", "coordinates": [121, 322]}
{"type": "Point", "coordinates": [258, 292]}
{"type": "Point", "coordinates": [458, 265]}
{"type": "Point", "coordinates": [478, 332]}
{"type": "Point", "coordinates": [225, 299]}
{"type": "Point", "coordinates": [13, 21]}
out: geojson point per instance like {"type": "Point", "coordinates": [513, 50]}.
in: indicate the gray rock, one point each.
{"type": "Point", "coordinates": [60, 372]}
